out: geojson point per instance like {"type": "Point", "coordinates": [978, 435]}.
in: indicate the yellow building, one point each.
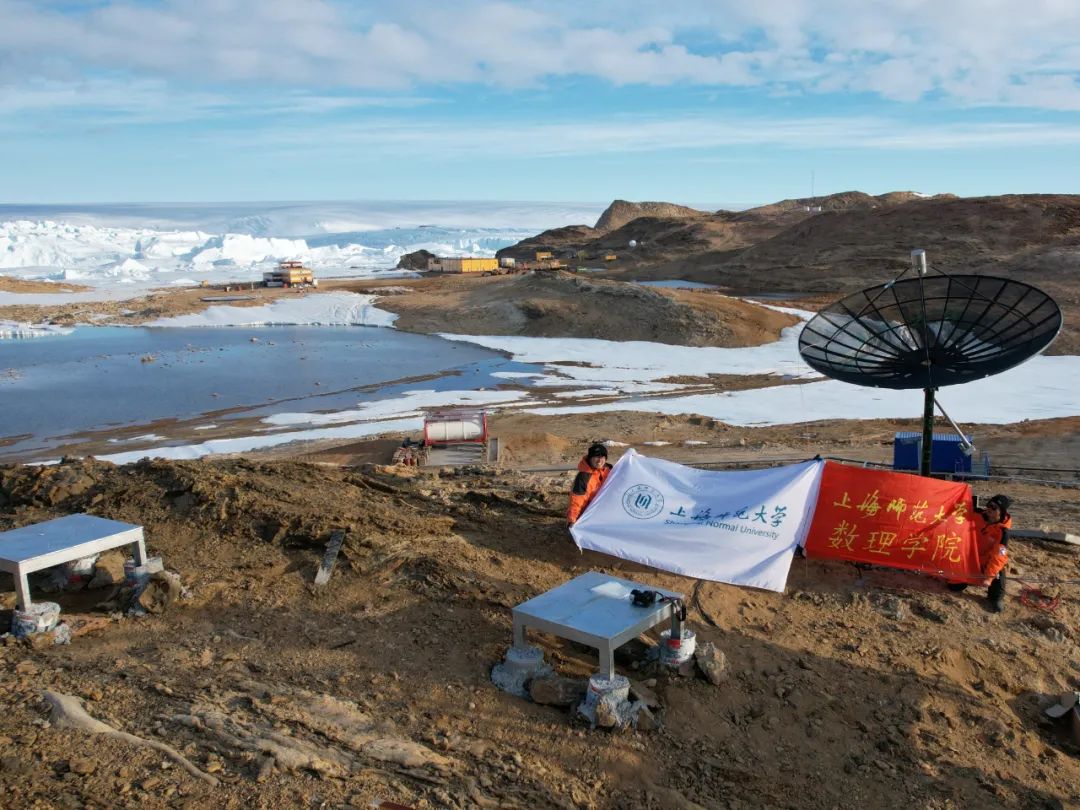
{"type": "Point", "coordinates": [542, 255]}
{"type": "Point", "coordinates": [465, 264]}
{"type": "Point", "coordinates": [289, 274]}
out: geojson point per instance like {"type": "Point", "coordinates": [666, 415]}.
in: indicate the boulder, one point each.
{"type": "Point", "coordinates": [647, 720]}
{"type": "Point", "coordinates": [161, 591]}
{"type": "Point", "coordinates": [640, 691]}
{"type": "Point", "coordinates": [108, 570]}
{"type": "Point", "coordinates": [417, 260]}
{"type": "Point", "coordinates": [712, 663]}
{"type": "Point", "coordinates": [557, 690]}
{"type": "Point", "coordinates": [891, 607]}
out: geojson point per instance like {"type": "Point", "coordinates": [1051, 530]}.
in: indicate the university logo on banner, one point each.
{"type": "Point", "coordinates": [736, 527]}
{"type": "Point", "coordinates": [643, 502]}
{"type": "Point", "coordinates": [895, 520]}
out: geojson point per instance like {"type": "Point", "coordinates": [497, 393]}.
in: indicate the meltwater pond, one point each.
{"type": "Point", "coordinates": [112, 377]}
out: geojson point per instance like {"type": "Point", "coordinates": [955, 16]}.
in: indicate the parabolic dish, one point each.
{"type": "Point", "coordinates": [930, 331]}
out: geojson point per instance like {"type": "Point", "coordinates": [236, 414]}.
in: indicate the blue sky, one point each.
{"type": "Point", "coordinates": [720, 103]}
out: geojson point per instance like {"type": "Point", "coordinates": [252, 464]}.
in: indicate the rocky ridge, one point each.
{"type": "Point", "coordinates": [622, 211]}
{"type": "Point", "coordinates": [840, 243]}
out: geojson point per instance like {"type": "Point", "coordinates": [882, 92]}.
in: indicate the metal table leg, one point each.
{"type": "Point", "coordinates": [519, 633]}
{"type": "Point", "coordinates": [607, 661]}
{"type": "Point", "coordinates": [22, 590]}
{"type": "Point", "coordinates": [138, 550]}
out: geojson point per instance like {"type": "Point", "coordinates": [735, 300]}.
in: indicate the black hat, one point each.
{"type": "Point", "coordinates": [1002, 502]}
{"type": "Point", "coordinates": [596, 450]}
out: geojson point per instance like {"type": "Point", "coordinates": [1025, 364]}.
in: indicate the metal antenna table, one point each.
{"type": "Point", "coordinates": [43, 545]}
{"type": "Point", "coordinates": [596, 609]}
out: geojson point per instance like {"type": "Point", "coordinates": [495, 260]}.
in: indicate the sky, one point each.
{"type": "Point", "coordinates": [710, 102]}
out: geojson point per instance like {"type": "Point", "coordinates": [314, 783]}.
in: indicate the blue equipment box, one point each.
{"type": "Point", "coordinates": [945, 453]}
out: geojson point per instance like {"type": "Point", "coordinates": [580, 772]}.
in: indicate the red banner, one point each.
{"type": "Point", "coordinates": [896, 520]}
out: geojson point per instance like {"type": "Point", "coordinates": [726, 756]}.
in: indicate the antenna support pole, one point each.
{"type": "Point", "coordinates": [918, 264]}
{"type": "Point", "coordinates": [927, 431]}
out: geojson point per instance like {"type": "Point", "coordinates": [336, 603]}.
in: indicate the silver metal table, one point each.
{"type": "Point", "coordinates": [43, 545]}
{"type": "Point", "coordinates": [593, 609]}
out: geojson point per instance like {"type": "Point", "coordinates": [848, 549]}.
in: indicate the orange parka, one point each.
{"type": "Point", "coordinates": [993, 542]}
{"type": "Point", "coordinates": [586, 485]}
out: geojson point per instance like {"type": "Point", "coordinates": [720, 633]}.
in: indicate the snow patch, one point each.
{"type": "Point", "coordinates": [325, 309]}
{"type": "Point", "coordinates": [409, 403]}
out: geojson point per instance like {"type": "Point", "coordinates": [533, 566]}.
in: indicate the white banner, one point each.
{"type": "Point", "coordinates": [738, 527]}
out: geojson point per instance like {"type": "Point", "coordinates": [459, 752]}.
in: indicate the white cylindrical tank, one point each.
{"type": "Point", "coordinates": [462, 428]}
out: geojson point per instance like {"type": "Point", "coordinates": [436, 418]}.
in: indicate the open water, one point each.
{"type": "Point", "coordinates": [113, 377]}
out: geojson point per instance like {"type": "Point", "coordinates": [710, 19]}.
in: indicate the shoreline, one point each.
{"type": "Point", "coordinates": [573, 381]}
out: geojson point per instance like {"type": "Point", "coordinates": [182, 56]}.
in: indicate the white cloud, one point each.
{"type": "Point", "coordinates": [1008, 52]}
{"type": "Point", "coordinates": [152, 101]}
{"type": "Point", "coordinates": [641, 134]}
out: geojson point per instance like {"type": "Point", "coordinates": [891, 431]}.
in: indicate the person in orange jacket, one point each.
{"type": "Point", "coordinates": [992, 523]}
{"type": "Point", "coordinates": [593, 470]}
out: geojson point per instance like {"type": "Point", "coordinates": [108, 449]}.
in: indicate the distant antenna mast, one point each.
{"type": "Point", "coordinates": [812, 207]}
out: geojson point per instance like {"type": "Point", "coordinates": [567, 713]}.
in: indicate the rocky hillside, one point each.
{"type": "Point", "coordinates": [843, 201]}
{"type": "Point", "coordinates": [854, 240]}
{"type": "Point", "coordinates": [1005, 235]}
{"type": "Point", "coordinates": [621, 211]}
{"type": "Point", "coordinates": [665, 230]}
{"type": "Point", "coordinates": [562, 242]}
{"type": "Point", "coordinates": [1030, 238]}
{"type": "Point", "coordinates": [555, 304]}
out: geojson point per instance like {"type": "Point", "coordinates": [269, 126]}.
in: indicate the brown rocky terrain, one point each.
{"type": "Point", "coordinates": [854, 241]}
{"type": "Point", "coordinates": [865, 687]}
{"type": "Point", "coordinates": [670, 232]}
{"type": "Point", "coordinates": [22, 285]}
{"type": "Point", "coordinates": [557, 304]}
{"type": "Point", "coordinates": [138, 310]}
{"type": "Point", "coordinates": [621, 211]}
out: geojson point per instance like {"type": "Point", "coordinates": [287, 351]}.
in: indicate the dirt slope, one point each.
{"type": "Point", "coordinates": [871, 688]}
{"type": "Point", "coordinates": [555, 304]}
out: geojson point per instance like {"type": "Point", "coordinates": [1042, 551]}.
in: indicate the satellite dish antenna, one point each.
{"type": "Point", "coordinates": [930, 331]}
{"type": "Point", "coordinates": [633, 243]}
